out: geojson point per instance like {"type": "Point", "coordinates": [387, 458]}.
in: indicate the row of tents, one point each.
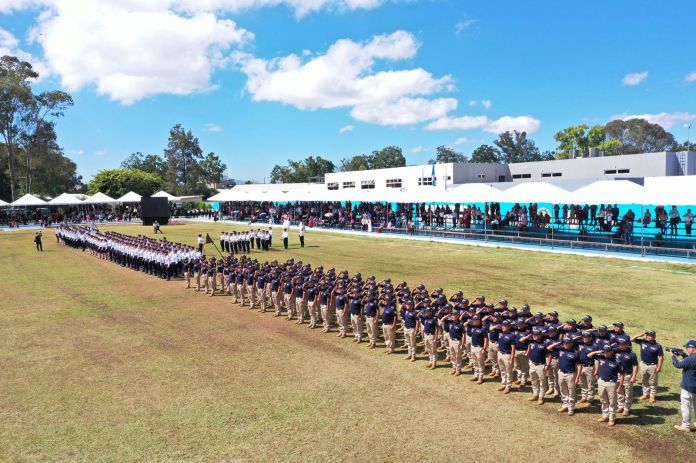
{"type": "Point", "coordinates": [678, 191]}
{"type": "Point", "coordinates": [68, 199]}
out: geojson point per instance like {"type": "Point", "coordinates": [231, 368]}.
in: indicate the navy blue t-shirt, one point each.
{"type": "Point", "coordinates": [649, 351]}
{"type": "Point", "coordinates": [410, 317]}
{"type": "Point", "coordinates": [478, 335]}
{"type": "Point", "coordinates": [609, 367]}
{"type": "Point", "coordinates": [388, 315]}
{"type": "Point", "coordinates": [537, 352]}
{"type": "Point", "coordinates": [429, 325]}
{"type": "Point", "coordinates": [371, 308]}
{"type": "Point", "coordinates": [355, 305]}
{"type": "Point", "coordinates": [628, 360]}
{"type": "Point", "coordinates": [568, 359]}
{"type": "Point", "coordinates": [456, 330]}
{"type": "Point", "coordinates": [505, 342]}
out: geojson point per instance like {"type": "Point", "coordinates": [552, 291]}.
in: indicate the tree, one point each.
{"type": "Point", "coordinates": [213, 168]}
{"type": "Point", "coordinates": [582, 138]}
{"type": "Point", "coordinates": [391, 156]}
{"type": "Point", "coordinates": [639, 136]}
{"type": "Point", "coordinates": [445, 154]}
{"type": "Point", "coordinates": [516, 147]}
{"type": "Point", "coordinates": [302, 171]}
{"type": "Point", "coordinates": [485, 153]}
{"type": "Point", "coordinates": [150, 163]}
{"type": "Point", "coordinates": [182, 155]}
{"type": "Point", "coordinates": [359, 162]}
{"type": "Point", "coordinates": [117, 182]}
{"type": "Point", "coordinates": [16, 102]}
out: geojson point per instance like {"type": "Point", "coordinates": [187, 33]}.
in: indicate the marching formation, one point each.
{"type": "Point", "coordinates": [518, 346]}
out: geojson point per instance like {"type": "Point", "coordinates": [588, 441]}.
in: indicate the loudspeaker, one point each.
{"type": "Point", "coordinates": [152, 209]}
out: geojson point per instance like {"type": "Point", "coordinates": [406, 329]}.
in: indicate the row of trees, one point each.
{"type": "Point", "coordinates": [33, 161]}
{"type": "Point", "coordinates": [181, 170]}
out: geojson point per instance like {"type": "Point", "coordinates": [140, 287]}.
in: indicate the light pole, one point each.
{"type": "Point", "coordinates": [687, 126]}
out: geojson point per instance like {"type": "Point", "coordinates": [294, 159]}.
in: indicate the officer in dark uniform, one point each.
{"type": "Point", "coordinates": [651, 359]}
{"type": "Point", "coordinates": [456, 335]}
{"type": "Point", "coordinates": [539, 358]}
{"type": "Point", "coordinates": [610, 378]}
{"type": "Point", "coordinates": [629, 364]}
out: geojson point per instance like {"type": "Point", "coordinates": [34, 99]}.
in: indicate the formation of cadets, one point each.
{"type": "Point", "coordinates": [518, 346]}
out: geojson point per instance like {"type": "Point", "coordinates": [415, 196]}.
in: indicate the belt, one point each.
{"type": "Point", "coordinates": [537, 364]}
{"type": "Point", "coordinates": [608, 380]}
{"type": "Point", "coordinates": [567, 372]}
{"type": "Point", "coordinates": [651, 364]}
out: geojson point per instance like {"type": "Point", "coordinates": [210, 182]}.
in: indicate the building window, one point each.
{"type": "Point", "coordinates": [547, 174]}
{"type": "Point", "coordinates": [449, 177]}
{"type": "Point", "coordinates": [522, 176]}
{"type": "Point", "coordinates": [394, 183]}
{"type": "Point", "coordinates": [425, 181]}
{"type": "Point", "coordinates": [348, 185]}
{"type": "Point", "coordinates": [501, 178]}
{"type": "Point", "coordinates": [609, 171]}
{"type": "Point", "coordinates": [367, 184]}
{"type": "Point", "coordinates": [624, 171]}
{"type": "Point", "coordinates": [332, 185]}
{"type": "Point", "coordinates": [558, 174]}
{"type": "Point", "coordinates": [481, 175]}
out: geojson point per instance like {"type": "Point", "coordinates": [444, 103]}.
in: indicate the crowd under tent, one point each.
{"type": "Point", "coordinates": [129, 197]}
{"type": "Point", "coordinates": [29, 200]}
{"type": "Point", "coordinates": [99, 198]}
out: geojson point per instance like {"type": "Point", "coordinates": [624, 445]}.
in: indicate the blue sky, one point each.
{"type": "Point", "coordinates": [416, 73]}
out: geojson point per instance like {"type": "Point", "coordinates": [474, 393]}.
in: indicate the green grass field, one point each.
{"type": "Point", "coordinates": [101, 363]}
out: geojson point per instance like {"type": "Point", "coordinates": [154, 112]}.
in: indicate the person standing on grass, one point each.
{"type": "Point", "coordinates": [610, 373]}
{"type": "Point", "coordinates": [37, 241]}
{"type": "Point", "coordinates": [506, 356]}
{"type": "Point", "coordinates": [569, 372]}
{"type": "Point", "coordinates": [302, 233]}
{"type": "Point", "coordinates": [688, 384]}
{"type": "Point", "coordinates": [629, 364]}
{"type": "Point", "coordinates": [285, 238]}
{"type": "Point", "coordinates": [651, 359]}
{"type": "Point", "coordinates": [389, 319]}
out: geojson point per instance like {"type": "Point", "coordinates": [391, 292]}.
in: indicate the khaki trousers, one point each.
{"type": "Point", "coordinates": [455, 354]}
{"type": "Point", "coordinates": [430, 347]}
{"type": "Point", "coordinates": [537, 375]}
{"type": "Point", "coordinates": [624, 396]}
{"type": "Point", "coordinates": [326, 316]}
{"type": "Point", "coordinates": [587, 383]}
{"type": "Point", "coordinates": [567, 387]}
{"type": "Point", "coordinates": [552, 377]}
{"type": "Point", "coordinates": [522, 367]}
{"type": "Point", "coordinates": [277, 304]}
{"type": "Point", "coordinates": [371, 325]}
{"type": "Point", "coordinates": [356, 322]}
{"type": "Point", "coordinates": [607, 395]}
{"type": "Point", "coordinates": [493, 351]}
{"type": "Point", "coordinates": [389, 332]}
{"type": "Point", "coordinates": [289, 305]}
{"type": "Point", "coordinates": [648, 376]}
{"type": "Point", "coordinates": [410, 338]}
{"type": "Point", "coordinates": [301, 308]}
{"type": "Point", "coordinates": [506, 369]}
{"type": "Point", "coordinates": [240, 292]}
{"type": "Point", "coordinates": [342, 321]}
{"type": "Point", "coordinates": [314, 312]}
{"type": "Point", "coordinates": [478, 358]}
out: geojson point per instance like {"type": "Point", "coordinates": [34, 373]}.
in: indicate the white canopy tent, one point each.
{"type": "Point", "coordinates": [99, 198]}
{"type": "Point", "coordinates": [3, 203]}
{"type": "Point", "coordinates": [608, 191]}
{"type": "Point", "coordinates": [164, 194]}
{"type": "Point", "coordinates": [129, 197]}
{"type": "Point", "coordinates": [670, 191]}
{"type": "Point", "coordinates": [29, 200]}
{"type": "Point", "coordinates": [474, 193]}
{"type": "Point", "coordinates": [535, 192]}
{"type": "Point", "coordinates": [65, 199]}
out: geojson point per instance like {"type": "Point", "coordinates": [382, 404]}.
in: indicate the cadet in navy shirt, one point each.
{"type": "Point", "coordinates": [410, 317]}
{"type": "Point", "coordinates": [479, 344]}
{"type": "Point", "coordinates": [429, 325]}
{"type": "Point", "coordinates": [389, 327]}
{"type": "Point", "coordinates": [619, 333]}
{"type": "Point", "coordinates": [538, 357]}
{"type": "Point", "coordinates": [569, 370]}
{"type": "Point", "coordinates": [629, 365]}
{"type": "Point", "coordinates": [457, 337]}
{"type": "Point", "coordinates": [688, 384]}
{"type": "Point", "coordinates": [506, 356]}
{"type": "Point", "coordinates": [610, 374]}
{"type": "Point", "coordinates": [522, 336]}
{"type": "Point", "coordinates": [371, 315]}
{"type": "Point", "coordinates": [587, 378]}
{"type": "Point", "coordinates": [651, 359]}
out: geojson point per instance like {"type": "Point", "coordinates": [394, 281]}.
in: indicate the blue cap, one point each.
{"type": "Point", "coordinates": [622, 341]}
{"type": "Point", "coordinates": [690, 345]}
{"type": "Point", "coordinates": [619, 324]}
{"type": "Point", "coordinates": [537, 331]}
{"type": "Point", "coordinates": [476, 317]}
{"type": "Point", "coordinates": [586, 333]}
{"type": "Point", "coordinates": [606, 348]}
{"type": "Point", "coordinates": [568, 339]}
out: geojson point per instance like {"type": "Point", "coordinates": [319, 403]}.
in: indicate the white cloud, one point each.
{"type": "Point", "coordinates": [487, 104]}
{"type": "Point", "coordinates": [464, 140]}
{"type": "Point", "coordinates": [343, 78]}
{"type": "Point", "coordinates": [212, 127]}
{"type": "Point", "coordinates": [634, 79]}
{"type": "Point", "coordinates": [420, 149]}
{"type": "Point", "coordinates": [130, 50]}
{"type": "Point", "coordinates": [521, 123]}
{"type": "Point", "coordinates": [459, 123]}
{"type": "Point", "coordinates": [464, 25]}
{"type": "Point", "coordinates": [300, 7]}
{"type": "Point", "coordinates": [691, 77]}
{"type": "Point", "coordinates": [100, 153]}
{"type": "Point", "coordinates": [666, 120]}
{"type": "Point", "coordinates": [10, 45]}
{"type": "Point", "coordinates": [345, 129]}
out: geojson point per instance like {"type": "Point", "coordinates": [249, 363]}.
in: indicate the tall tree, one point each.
{"type": "Point", "coordinates": [445, 154]}
{"type": "Point", "coordinates": [117, 182]}
{"type": "Point", "coordinates": [302, 171]}
{"type": "Point", "coordinates": [486, 154]}
{"type": "Point", "coordinates": [150, 163]}
{"type": "Point", "coordinates": [390, 156]}
{"type": "Point", "coordinates": [182, 155]}
{"type": "Point", "coordinates": [359, 162]}
{"type": "Point", "coordinates": [516, 147]}
{"type": "Point", "coordinates": [639, 136]}
{"type": "Point", "coordinates": [582, 138]}
{"type": "Point", "coordinates": [16, 102]}
{"type": "Point", "coordinates": [213, 168]}
{"type": "Point", "coordinates": [45, 108]}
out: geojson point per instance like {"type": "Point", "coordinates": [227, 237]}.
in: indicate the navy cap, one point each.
{"type": "Point", "coordinates": [553, 313]}
{"type": "Point", "coordinates": [690, 345]}
{"type": "Point", "coordinates": [568, 339]}
{"type": "Point", "coordinates": [571, 322]}
{"type": "Point", "coordinates": [497, 314]}
{"type": "Point", "coordinates": [606, 348]}
{"type": "Point", "coordinates": [538, 315]}
{"type": "Point", "coordinates": [476, 317]}
{"type": "Point", "coordinates": [537, 331]}
{"type": "Point", "coordinates": [650, 333]}
{"type": "Point", "coordinates": [586, 333]}
{"type": "Point", "coordinates": [602, 327]}
{"type": "Point", "coordinates": [587, 318]}
{"type": "Point", "coordinates": [506, 323]}
{"type": "Point", "coordinates": [525, 307]}
{"type": "Point", "coordinates": [503, 302]}
{"type": "Point", "coordinates": [552, 328]}
{"type": "Point", "coordinates": [622, 341]}
{"type": "Point", "coordinates": [481, 298]}
{"type": "Point", "coordinates": [619, 324]}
